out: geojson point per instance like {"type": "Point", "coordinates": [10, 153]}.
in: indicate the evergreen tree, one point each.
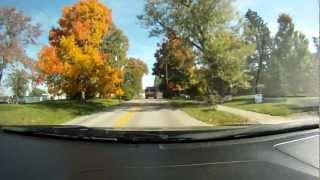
{"type": "Point", "coordinates": [258, 33]}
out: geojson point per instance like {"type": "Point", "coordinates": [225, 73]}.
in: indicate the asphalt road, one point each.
{"type": "Point", "coordinates": [144, 113]}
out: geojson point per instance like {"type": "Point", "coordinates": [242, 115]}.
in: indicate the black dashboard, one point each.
{"type": "Point", "coordinates": [286, 156]}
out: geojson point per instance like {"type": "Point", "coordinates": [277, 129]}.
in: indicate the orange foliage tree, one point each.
{"type": "Point", "coordinates": [73, 63]}
{"type": "Point", "coordinates": [175, 64]}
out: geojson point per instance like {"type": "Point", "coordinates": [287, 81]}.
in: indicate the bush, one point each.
{"type": "Point", "coordinates": [200, 98]}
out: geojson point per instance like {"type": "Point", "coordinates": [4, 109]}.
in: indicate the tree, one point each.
{"type": "Point", "coordinates": [157, 82]}
{"type": "Point", "coordinates": [191, 20]}
{"type": "Point", "coordinates": [258, 33]}
{"type": "Point", "coordinates": [224, 61]}
{"type": "Point", "coordinates": [133, 73]}
{"type": "Point", "coordinates": [277, 84]}
{"type": "Point", "coordinates": [201, 23]}
{"type": "Point", "coordinates": [299, 68]}
{"type": "Point", "coordinates": [174, 65]}
{"type": "Point", "coordinates": [311, 83]}
{"type": "Point", "coordinates": [290, 61]}
{"type": "Point", "coordinates": [18, 81]}
{"type": "Point", "coordinates": [74, 62]}
{"type": "Point", "coordinates": [16, 32]}
{"type": "Point", "coordinates": [316, 43]}
{"type": "Point", "coordinates": [115, 44]}
{"type": "Point", "coordinates": [37, 92]}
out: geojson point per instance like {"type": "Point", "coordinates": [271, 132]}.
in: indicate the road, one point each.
{"type": "Point", "coordinates": [144, 113]}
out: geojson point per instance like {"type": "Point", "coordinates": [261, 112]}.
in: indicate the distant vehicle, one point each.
{"type": "Point", "coordinates": [185, 96]}
{"type": "Point", "coordinates": [150, 92]}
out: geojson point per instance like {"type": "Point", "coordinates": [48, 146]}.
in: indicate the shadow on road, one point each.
{"type": "Point", "coordinates": [146, 105]}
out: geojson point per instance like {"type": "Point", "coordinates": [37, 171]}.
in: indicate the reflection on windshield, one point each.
{"type": "Point", "coordinates": [162, 64]}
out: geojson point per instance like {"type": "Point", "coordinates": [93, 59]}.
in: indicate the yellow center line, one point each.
{"type": "Point", "coordinates": [124, 119]}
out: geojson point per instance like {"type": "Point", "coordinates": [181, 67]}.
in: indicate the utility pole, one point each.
{"type": "Point", "coordinates": [166, 73]}
{"type": "Point", "coordinates": [2, 66]}
{"type": "Point", "coordinates": [318, 59]}
{"type": "Point", "coordinates": [119, 86]}
{"type": "Point", "coordinates": [167, 81]}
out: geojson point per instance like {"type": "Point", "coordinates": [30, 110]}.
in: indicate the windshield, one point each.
{"type": "Point", "coordinates": [158, 64]}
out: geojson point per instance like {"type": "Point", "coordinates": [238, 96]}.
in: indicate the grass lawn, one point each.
{"type": "Point", "coordinates": [208, 115]}
{"type": "Point", "coordinates": [49, 112]}
{"type": "Point", "coordinates": [280, 106]}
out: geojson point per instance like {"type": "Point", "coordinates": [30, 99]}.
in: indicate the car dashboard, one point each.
{"type": "Point", "coordinates": [286, 156]}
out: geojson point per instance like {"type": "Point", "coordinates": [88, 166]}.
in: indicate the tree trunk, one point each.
{"type": "Point", "coordinates": [257, 81]}
{"type": "Point", "coordinates": [83, 96]}
{"type": "Point", "coordinates": [258, 75]}
{"type": "Point", "coordinates": [2, 67]}
{"type": "Point", "coordinates": [1, 73]}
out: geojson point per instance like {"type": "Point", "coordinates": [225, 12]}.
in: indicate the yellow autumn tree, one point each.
{"type": "Point", "coordinates": [73, 63]}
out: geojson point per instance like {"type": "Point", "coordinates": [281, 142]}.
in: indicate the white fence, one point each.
{"type": "Point", "coordinates": [25, 99]}
{"type": "Point", "coordinates": [32, 99]}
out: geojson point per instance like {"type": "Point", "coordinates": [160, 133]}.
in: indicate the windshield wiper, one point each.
{"type": "Point", "coordinates": [67, 132]}
{"type": "Point", "coordinates": [98, 134]}
{"type": "Point", "coordinates": [161, 136]}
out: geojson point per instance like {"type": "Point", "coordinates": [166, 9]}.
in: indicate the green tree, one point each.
{"type": "Point", "coordinates": [316, 43]}
{"type": "Point", "coordinates": [157, 82]}
{"type": "Point", "coordinates": [202, 23]}
{"type": "Point", "coordinates": [258, 34]}
{"type": "Point", "coordinates": [277, 84]}
{"type": "Point", "coordinates": [224, 61]}
{"type": "Point", "coordinates": [133, 73]}
{"type": "Point", "coordinates": [299, 66]}
{"type": "Point", "coordinates": [311, 81]}
{"type": "Point", "coordinates": [115, 45]}
{"type": "Point", "coordinates": [18, 80]}
{"type": "Point", "coordinates": [191, 20]}
{"type": "Point", "coordinates": [291, 61]}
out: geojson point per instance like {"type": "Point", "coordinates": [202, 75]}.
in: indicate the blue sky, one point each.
{"type": "Point", "coordinates": [124, 12]}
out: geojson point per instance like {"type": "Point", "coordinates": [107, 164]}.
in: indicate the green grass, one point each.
{"type": "Point", "coordinates": [49, 112]}
{"type": "Point", "coordinates": [208, 115]}
{"type": "Point", "coordinates": [276, 107]}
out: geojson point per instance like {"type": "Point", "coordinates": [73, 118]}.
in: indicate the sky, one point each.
{"type": "Point", "coordinates": [124, 12]}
